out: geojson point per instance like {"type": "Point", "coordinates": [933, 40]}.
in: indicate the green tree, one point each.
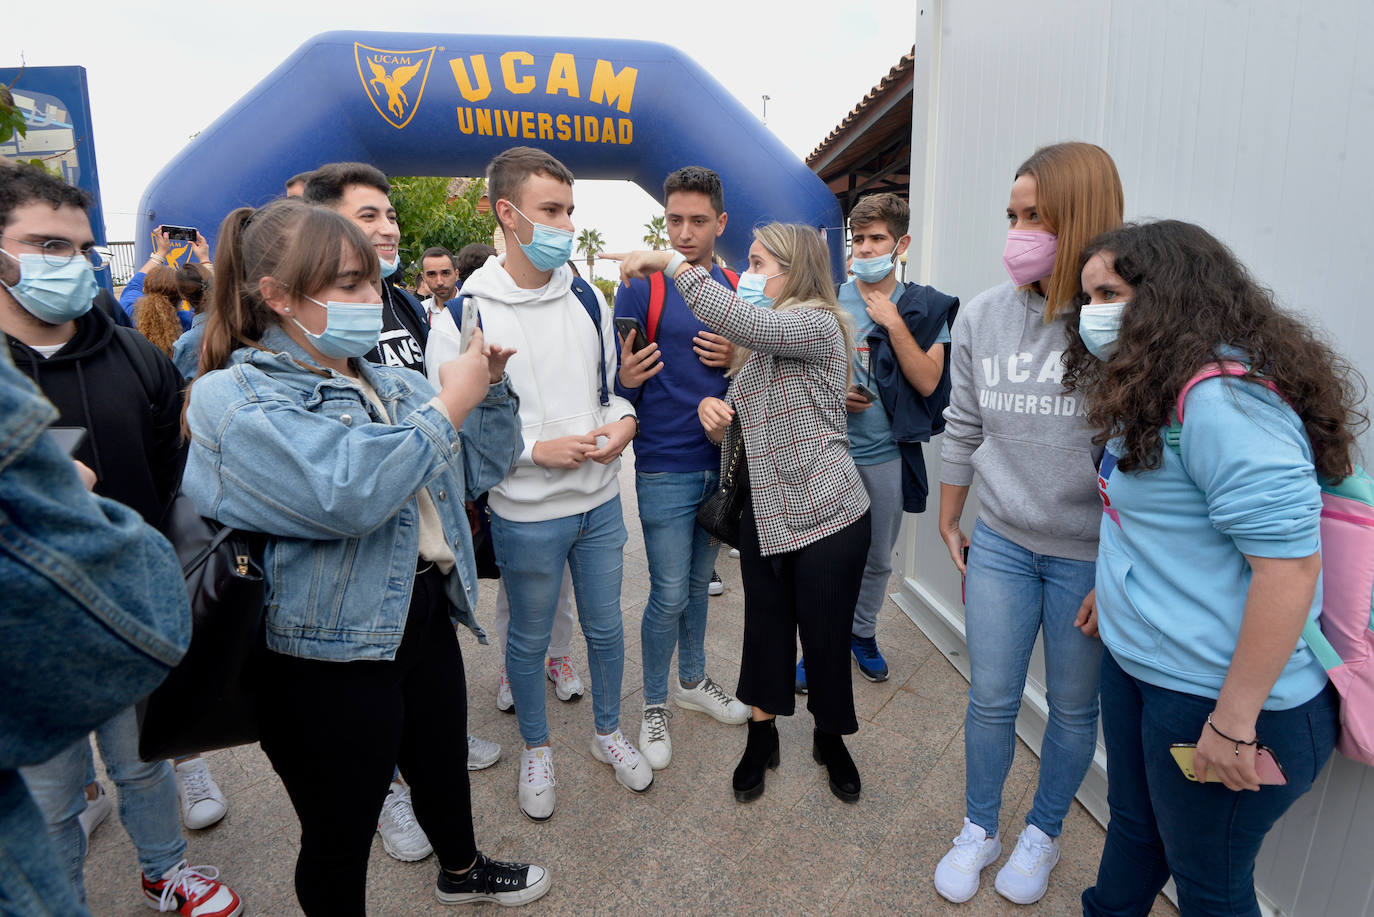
{"type": "Point", "coordinates": [429, 217]}
{"type": "Point", "coordinates": [607, 288]}
{"type": "Point", "coordinates": [589, 242]}
{"type": "Point", "coordinates": [656, 233]}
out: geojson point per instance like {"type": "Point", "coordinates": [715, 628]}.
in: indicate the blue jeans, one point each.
{"type": "Point", "coordinates": [1205, 835]}
{"type": "Point", "coordinates": [1011, 595]}
{"type": "Point", "coordinates": [147, 799]}
{"type": "Point", "coordinates": [532, 556]}
{"type": "Point", "coordinates": [681, 557]}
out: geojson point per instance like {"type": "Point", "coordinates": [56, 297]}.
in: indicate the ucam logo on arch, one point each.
{"type": "Point", "coordinates": [548, 83]}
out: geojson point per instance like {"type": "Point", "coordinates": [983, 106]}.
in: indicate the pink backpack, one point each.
{"type": "Point", "coordinates": [1341, 638]}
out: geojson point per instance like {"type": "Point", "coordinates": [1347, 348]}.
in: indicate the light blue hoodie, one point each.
{"type": "Point", "coordinates": [1172, 576]}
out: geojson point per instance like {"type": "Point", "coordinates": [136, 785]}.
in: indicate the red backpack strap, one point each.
{"type": "Point", "coordinates": [1212, 371]}
{"type": "Point", "coordinates": [656, 294]}
{"type": "Point", "coordinates": [732, 277]}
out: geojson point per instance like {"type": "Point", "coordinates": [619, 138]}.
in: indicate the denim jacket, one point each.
{"type": "Point", "coordinates": [306, 458]}
{"type": "Point", "coordinates": [92, 615]}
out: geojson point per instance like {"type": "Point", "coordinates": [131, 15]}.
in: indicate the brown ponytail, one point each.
{"type": "Point", "coordinates": [155, 312]}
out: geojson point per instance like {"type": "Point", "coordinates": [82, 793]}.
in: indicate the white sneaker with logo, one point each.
{"type": "Point", "coordinates": [631, 768]}
{"type": "Point", "coordinates": [710, 698]}
{"type": "Point", "coordinates": [504, 702]}
{"type": "Point", "coordinates": [566, 683]}
{"type": "Point", "coordinates": [654, 743]}
{"type": "Point", "coordinates": [1026, 875]}
{"type": "Point", "coordinates": [956, 877]}
{"type": "Point", "coordinates": [482, 753]}
{"type": "Point", "coordinates": [96, 811]}
{"type": "Point", "coordinates": [402, 836]}
{"type": "Point", "coordinates": [537, 783]}
{"type": "Point", "coordinates": [202, 803]}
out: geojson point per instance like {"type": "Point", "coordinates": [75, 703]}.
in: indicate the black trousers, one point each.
{"type": "Point", "coordinates": [810, 592]}
{"type": "Point", "coordinates": [334, 731]}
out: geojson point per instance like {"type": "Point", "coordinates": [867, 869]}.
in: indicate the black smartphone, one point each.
{"type": "Point", "coordinates": [625, 325]}
{"type": "Point", "coordinates": [864, 392]}
{"type": "Point", "coordinates": [964, 550]}
{"type": "Point", "coordinates": [69, 438]}
{"type": "Point", "coordinates": [180, 233]}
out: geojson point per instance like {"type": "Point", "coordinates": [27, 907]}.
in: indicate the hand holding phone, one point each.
{"type": "Point", "coordinates": [68, 438]}
{"type": "Point", "coordinates": [1266, 765]}
{"type": "Point", "coordinates": [624, 326]}
{"type": "Point", "coordinates": [180, 233]}
{"type": "Point", "coordinates": [864, 392]}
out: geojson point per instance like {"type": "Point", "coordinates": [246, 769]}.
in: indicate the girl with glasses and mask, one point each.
{"type": "Point", "coordinates": [357, 473]}
{"type": "Point", "coordinates": [1029, 568]}
{"type": "Point", "coordinates": [804, 532]}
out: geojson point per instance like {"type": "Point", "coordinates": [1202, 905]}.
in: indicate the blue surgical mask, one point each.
{"type": "Point", "coordinates": [750, 288]}
{"type": "Point", "coordinates": [1098, 326]}
{"type": "Point", "coordinates": [388, 267]}
{"type": "Point", "coordinates": [873, 270]}
{"type": "Point", "coordinates": [351, 329]}
{"type": "Point", "coordinates": [53, 293]}
{"type": "Point", "coordinates": [548, 246]}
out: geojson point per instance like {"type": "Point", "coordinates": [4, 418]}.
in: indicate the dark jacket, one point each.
{"type": "Point", "coordinates": [132, 415]}
{"type": "Point", "coordinates": [914, 417]}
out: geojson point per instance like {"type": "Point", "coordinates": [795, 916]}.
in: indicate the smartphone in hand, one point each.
{"type": "Point", "coordinates": [180, 233]}
{"type": "Point", "coordinates": [624, 326]}
{"type": "Point", "coordinates": [1270, 771]}
{"type": "Point", "coordinates": [68, 438]}
{"type": "Point", "coordinates": [863, 392]}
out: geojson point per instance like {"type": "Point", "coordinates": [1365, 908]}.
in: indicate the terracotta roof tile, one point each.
{"type": "Point", "coordinates": [894, 76]}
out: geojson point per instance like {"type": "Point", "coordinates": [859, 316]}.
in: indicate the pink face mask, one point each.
{"type": "Point", "coordinates": [1029, 255]}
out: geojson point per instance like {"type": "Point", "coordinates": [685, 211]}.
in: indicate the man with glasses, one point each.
{"type": "Point", "coordinates": [126, 395]}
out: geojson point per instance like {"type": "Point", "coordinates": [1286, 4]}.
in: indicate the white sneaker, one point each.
{"type": "Point", "coordinates": [202, 804]}
{"type": "Point", "coordinates": [96, 811]}
{"type": "Point", "coordinates": [504, 702]}
{"type": "Point", "coordinates": [402, 836]}
{"type": "Point", "coordinates": [654, 743]}
{"type": "Point", "coordinates": [956, 878]}
{"type": "Point", "coordinates": [631, 769]}
{"type": "Point", "coordinates": [566, 683]}
{"type": "Point", "coordinates": [1026, 875]}
{"type": "Point", "coordinates": [709, 697]}
{"type": "Point", "coordinates": [482, 754]}
{"type": "Point", "coordinates": [715, 586]}
{"type": "Point", "coordinates": [537, 783]}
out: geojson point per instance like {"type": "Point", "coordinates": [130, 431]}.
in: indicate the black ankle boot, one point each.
{"type": "Point", "coordinates": [828, 749]}
{"type": "Point", "coordinates": [761, 752]}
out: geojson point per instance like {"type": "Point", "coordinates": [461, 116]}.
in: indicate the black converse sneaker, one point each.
{"type": "Point", "coordinates": [508, 884]}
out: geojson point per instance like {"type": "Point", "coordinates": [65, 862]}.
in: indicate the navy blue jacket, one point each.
{"type": "Point", "coordinates": [914, 418]}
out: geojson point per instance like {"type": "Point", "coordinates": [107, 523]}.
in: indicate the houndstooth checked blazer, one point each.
{"type": "Point", "coordinates": [789, 404]}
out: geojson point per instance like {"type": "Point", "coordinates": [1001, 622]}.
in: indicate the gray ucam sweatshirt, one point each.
{"type": "Point", "coordinates": [1010, 421]}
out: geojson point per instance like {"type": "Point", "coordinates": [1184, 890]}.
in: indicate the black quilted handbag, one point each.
{"type": "Point", "coordinates": [720, 514]}
{"type": "Point", "coordinates": [210, 699]}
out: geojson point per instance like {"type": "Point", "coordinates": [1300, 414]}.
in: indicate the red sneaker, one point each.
{"type": "Point", "coordinates": [193, 891]}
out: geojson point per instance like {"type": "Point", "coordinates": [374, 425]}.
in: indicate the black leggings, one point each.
{"type": "Point", "coordinates": [334, 731]}
{"type": "Point", "coordinates": [809, 592]}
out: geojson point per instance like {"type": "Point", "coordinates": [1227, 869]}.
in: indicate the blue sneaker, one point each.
{"type": "Point", "coordinates": [872, 665]}
{"type": "Point", "coordinates": [801, 675]}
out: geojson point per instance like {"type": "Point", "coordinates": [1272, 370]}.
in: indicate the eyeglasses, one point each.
{"type": "Point", "coordinates": [60, 252]}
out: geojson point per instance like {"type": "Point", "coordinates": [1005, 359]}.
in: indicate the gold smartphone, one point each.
{"type": "Point", "coordinates": [1270, 771]}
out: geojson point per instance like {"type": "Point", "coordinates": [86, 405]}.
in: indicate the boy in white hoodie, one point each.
{"type": "Point", "coordinates": [560, 504]}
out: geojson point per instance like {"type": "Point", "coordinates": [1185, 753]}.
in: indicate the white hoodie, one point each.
{"type": "Point", "coordinates": [556, 372]}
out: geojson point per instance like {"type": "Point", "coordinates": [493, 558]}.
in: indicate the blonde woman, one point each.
{"type": "Point", "coordinates": [804, 533]}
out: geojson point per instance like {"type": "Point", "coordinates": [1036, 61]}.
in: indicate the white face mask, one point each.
{"type": "Point", "coordinates": [1099, 325]}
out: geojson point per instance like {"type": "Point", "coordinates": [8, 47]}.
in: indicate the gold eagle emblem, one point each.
{"type": "Point", "coordinates": [386, 76]}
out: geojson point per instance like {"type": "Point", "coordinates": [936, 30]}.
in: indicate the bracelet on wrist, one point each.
{"type": "Point", "coordinates": [675, 262]}
{"type": "Point", "coordinates": [157, 259]}
{"type": "Point", "coordinates": [1238, 742]}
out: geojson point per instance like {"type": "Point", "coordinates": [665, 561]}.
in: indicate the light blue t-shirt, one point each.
{"type": "Point", "coordinates": [1172, 576]}
{"type": "Point", "coordinates": [870, 432]}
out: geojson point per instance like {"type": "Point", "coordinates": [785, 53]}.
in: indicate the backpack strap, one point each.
{"type": "Point", "coordinates": [732, 277]}
{"type": "Point", "coordinates": [657, 293]}
{"type": "Point", "coordinates": [587, 296]}
{"type": "Point", "coordinates": [1173, 437]}
{"type": "Point", "coordinates": [139, 360]}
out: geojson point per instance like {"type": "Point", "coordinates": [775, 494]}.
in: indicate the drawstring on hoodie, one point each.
{"type": "Point", "coordinates": [99, 468]}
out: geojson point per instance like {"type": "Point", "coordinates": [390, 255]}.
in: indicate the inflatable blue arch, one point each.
{"type": "Point", "coordinates": [414, 103]}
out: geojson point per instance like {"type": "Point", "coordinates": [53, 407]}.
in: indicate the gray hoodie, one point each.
{"type": "Point", "coordinates": [1009, 421]}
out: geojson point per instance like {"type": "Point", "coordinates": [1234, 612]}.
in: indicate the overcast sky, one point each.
{"type": "Point", "coordinates": [160, 72]}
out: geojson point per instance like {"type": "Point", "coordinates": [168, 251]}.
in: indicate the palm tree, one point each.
{"type": "Point", "coordinates": [656, 236]}
{"type": "Point", "coordinates": [589, 242]}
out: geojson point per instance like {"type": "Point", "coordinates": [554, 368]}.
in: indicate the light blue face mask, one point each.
{"type": "Point", "coordinates": [351, 329]}
{"type": "Point", "coordinates": [53, 293]}
{"type": "Point", "coordinates": [388, 267]}
{"type": "Point", "coordinates": [548, 246]}
{"type": "Point", "coordinates": [873, 270]}
{"type": "Point", "coordinates": [1098, 326]}
{"type": "Point", "coordinates": [750, 288]}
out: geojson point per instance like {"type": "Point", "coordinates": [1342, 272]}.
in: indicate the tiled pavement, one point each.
{"type": "Point", "coordinates": [685, 846]}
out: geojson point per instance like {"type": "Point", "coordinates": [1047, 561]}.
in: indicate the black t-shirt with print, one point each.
{"type": "Point", "coordinates": [399, 344]}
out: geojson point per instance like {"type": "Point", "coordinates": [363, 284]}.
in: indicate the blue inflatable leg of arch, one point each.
{"type": "Point", "coordinates": [423, 104]}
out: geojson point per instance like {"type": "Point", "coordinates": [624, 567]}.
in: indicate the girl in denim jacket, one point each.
{"type": "Point", "coordinates": [358, 473]}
